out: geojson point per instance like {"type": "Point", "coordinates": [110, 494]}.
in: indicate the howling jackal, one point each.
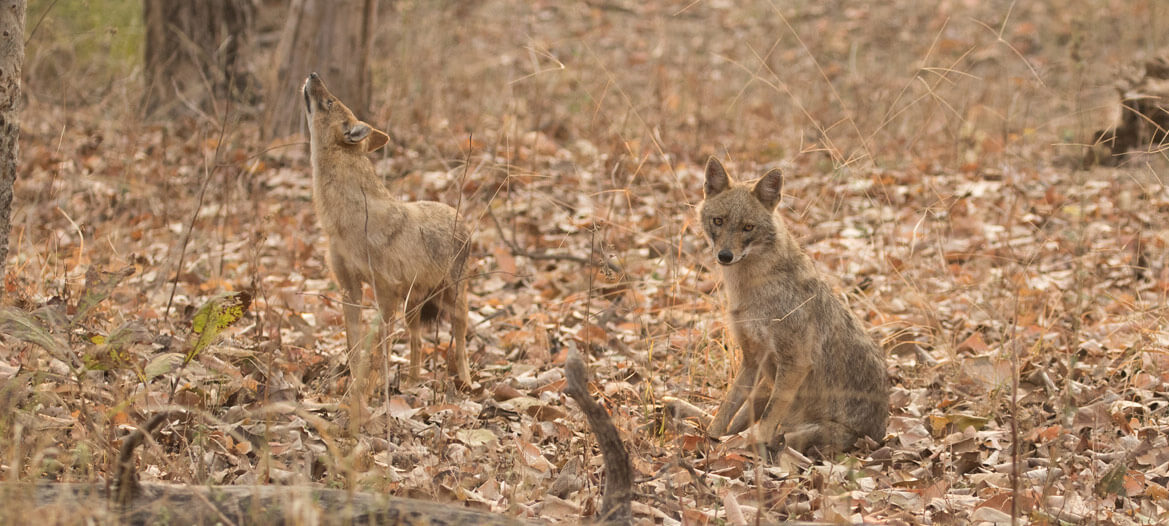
{"type": "Point", "coordinates": [411, 254]}
{"type": "Point", "coordinates": [808, 366]}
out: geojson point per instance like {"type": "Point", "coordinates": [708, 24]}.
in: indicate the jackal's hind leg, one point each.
{"type": "Point", "coordinates": [788, 377]}
{"type": "Point", "coordinates": [457, 357]}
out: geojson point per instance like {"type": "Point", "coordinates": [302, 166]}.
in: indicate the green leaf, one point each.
{"type": "Point", "coordinates": [98, 286]}
{"type": "Point", "coordinates": [24, 326]}
{"type": "Point", "coordinates": [217, 314]}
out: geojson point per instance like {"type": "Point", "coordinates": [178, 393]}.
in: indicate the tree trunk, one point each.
{"type": "Point", "coordinates": [330, 37]}
{"type": "Point", "coordinates": [194, 54]}
{"type": "Point", "coordinates": [11, 63]}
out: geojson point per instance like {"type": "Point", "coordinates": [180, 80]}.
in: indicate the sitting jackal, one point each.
{"type": "Point", "coordinates": [809, 374]}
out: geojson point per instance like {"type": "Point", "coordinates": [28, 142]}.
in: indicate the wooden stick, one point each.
{"type": "Point", "coordinates": [617, 499]}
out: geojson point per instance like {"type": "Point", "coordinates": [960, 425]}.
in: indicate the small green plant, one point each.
{"type": "Point", "coordinates": [53, 329]}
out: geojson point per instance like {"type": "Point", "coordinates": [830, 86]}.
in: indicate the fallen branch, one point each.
{"type": "Point", "coordinates": [617, 499]}
{"type": "Point", "coordinates": [126, 485]}
{"type": "Point", "coordinates": [517, 251]}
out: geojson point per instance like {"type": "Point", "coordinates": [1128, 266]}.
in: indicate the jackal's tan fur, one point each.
{"type": "Point", "coordinates": [809, 374]}
{"type": "Point", "coordinates": [413, 254]}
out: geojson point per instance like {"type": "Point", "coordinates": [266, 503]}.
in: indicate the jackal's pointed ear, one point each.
{"type": "Point", "coordinates": [357, 132]}
{"type": "Point", "coordinates": [717, 179]}
{"type": "Point", "coordinates": [769, 189]}
{"type": "Point", "coordinates": [377, 139]}
{"type": "Point", "coordinates": [360, 131]}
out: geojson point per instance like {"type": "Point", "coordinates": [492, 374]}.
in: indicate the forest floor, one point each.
{"type": "Point", "coordinates": [933, 160]}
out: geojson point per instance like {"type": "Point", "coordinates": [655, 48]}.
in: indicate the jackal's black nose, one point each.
{"type": "Point", "coordinates": [313, 75]}
{"type": "Point", "coordinates": [725, 256]}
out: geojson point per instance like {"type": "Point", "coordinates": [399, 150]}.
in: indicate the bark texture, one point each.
{"type": "Point", "coordinates": [11, 65]}
{"type": "Point", "coordinates": [194, 54]}
{"type": "Point", "coordinates": [330, 37]}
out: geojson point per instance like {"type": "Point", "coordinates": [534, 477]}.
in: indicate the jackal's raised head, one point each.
{"type": "Point", "coordinates": [332, 125]}
{"type": "Point", "coordinates": [740, 219]}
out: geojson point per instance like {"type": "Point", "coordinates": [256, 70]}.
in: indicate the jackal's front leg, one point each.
{"type": "Point", "coordinates": [744, 381]}
{"type": "Point", "coordinates": [789, 374]}
{"type": "Point", "coordinates": [358, 359]}
{"type": "Point", "coordinates": [350, 285]}
{"type": "Point", "coordinates": [414, 325]}
{"type": "Point", "coordinates": [757, 402]}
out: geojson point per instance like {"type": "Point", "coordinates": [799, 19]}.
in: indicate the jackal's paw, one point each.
{"type": "Point", "coordinates": [717, 428]}
{"type": "Point", "coordinates": [351, 419]}
{"type": "Point", "coordinates": [467, 385]}
{"type": "Point", "coordinates": [768, 453]}
{"type": "Point", "coordinates": [771, 452]}
{"type": "Point", "coordinates": [678, 410]}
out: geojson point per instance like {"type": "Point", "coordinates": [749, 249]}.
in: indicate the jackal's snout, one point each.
{"type": "Point", "coordinates": [314, 92]}
{"type": "Point", "coordinates": [730, 251]}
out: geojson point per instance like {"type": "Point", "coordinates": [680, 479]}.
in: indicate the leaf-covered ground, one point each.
{"type": "Point", "coordinates": [933, 170]}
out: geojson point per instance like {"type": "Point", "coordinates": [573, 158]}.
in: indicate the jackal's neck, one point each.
{"type": "Point", "coordinates": [339, 170]}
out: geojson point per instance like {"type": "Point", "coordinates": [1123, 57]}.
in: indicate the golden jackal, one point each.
{"type": "Point", "coordinates": [808, 366]}
{"type": "Point", "coordinates": [412, 254]}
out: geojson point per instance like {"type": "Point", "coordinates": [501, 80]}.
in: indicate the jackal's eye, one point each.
{"type": "Point", "coordinates": [717, 221]}
{"type": "Point", "coordinates": [748, 227]}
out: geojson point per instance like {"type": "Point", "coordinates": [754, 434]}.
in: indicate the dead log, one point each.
{"type": "Point", "coordinates": [137, 503]}
{"type": "Point", "coordinates": [155, 503]}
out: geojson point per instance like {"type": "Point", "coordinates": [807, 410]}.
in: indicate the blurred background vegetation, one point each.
{"type": "Point", "coordinates": [74, 44]}
{"type": "Point", "coordinates": [869, 81]}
